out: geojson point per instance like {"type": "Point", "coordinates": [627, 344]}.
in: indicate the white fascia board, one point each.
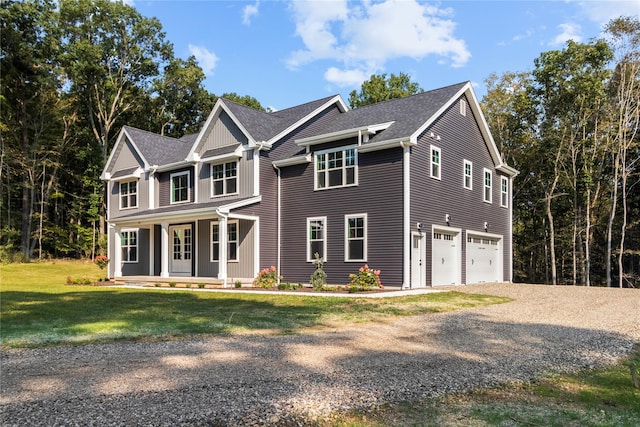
{"type": "Point", "coordinates": [341, 134]}
{"type": "Point", "coordinates": [136, 174]}
{"type": "Point", "coordinates": [239, 204]}
{"type": "Point", "coordinates": [122, 139]}
{"type": "Point", "coordinates": [229, 156]}
{"type": "Point", "coordinates": [507, 169]}
{"type": "Point", "coordinates": [299, 160]}
{"type": "Point", "coordinates": [383, 145]}
{"type": "Point", "coordinates": [171, 166]}
{"type": "Point", "coordinates": [445, 106]}
{"type": "Point", "coordinates": [335, 100]}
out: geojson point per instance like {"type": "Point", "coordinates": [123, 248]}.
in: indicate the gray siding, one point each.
{"type": "Point", "coordinates": [241, 269]}
{"type": "Point", "coordinates": [125, 158]}
{"type": "Point", "coordinates": [432, 199]}
{"type": "Point", "coordinates": [142, 266]}
{"type": "Point", "coordinates": [164, 184]}
{"type": "Point", "coordinates": [245, 179]}
{"type": "Point", "coordinates": [223, 132]}
{"type": "Point", "coordinates": [114, 197]}
{"type": "Point", "coordinates": [379, 194]}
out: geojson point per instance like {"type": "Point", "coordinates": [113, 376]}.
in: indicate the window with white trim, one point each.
{"type": "Point", "coordinates": [336, 168]}
{"type": "Point", "coordinates": [468, 175]}
{"type": "Point", "coordinates": [355, 247]}
{"type": "Point", "coordinates": [224, 179]}
{"type": "Point", "coordinates": [487, 186]}
{"type": "Point", "coordinates": [129, 245]}
{"type": "Point", "coordinates": [463, 107]}
{"type": "Point", "coordinates": [128, 194]}
{"type": "Point", "coordinates": [180, 183]}
{"type": "Point", "coordinates": [232, 241]}
{"type": "Point", "coordinates": [504, 191]}
{"type": "Point", "coordinates": [435, 162]}
{"type": "Point", "coordinates": [317, 238]}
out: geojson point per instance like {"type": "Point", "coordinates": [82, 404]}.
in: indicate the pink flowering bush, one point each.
{"type": "Point", "coordinates": [267, 278]}
{"type": "Point", "coordinates": [365, 280]}
{"type": "Point", "coordinates": [101, 261]}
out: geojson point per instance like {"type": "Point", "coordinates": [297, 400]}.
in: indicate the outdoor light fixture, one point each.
{"type": "Point", "coordinates": [486, 225]}
{"type": "Point", "coordinates": [447, 218]}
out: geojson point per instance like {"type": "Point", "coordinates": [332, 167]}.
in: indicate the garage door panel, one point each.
{"type": "Point", "coordinates": [483, 259]}
{"type": "Point", "coordinates": [446, 258]}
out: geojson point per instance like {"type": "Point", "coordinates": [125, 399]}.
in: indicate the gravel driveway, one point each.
{"type": "Point", "coordinates": [269, 380]}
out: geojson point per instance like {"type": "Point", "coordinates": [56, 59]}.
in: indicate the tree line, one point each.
{"type": "Point", "coordinates": [74, 72]}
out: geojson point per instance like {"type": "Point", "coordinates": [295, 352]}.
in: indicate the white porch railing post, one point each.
{"type": "Point", "coordinates": [117, 253]}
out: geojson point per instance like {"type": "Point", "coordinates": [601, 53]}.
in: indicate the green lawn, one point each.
{"type": "Point", "coordinates": [38, 309]}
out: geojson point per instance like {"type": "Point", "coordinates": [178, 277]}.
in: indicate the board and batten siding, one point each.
{"type": "Point", "coordinates": [432, 199]}
{"type": "Point", "coordinates": [245, 179]}
{"type": "Point", "coordinates": [378, 194]}
{"type": "Point", "coordinates": [125, 158]}
{"type": "Point", "coordinates": [243, 268]}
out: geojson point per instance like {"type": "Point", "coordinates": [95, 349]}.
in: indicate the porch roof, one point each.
{"type": "Point", "coordinates": [184, 211]}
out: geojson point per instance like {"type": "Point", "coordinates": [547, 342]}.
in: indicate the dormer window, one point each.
{"type": "Point", "coordinates": [129, 194]}
{"type": "Point", "coordinates": [224, 179]}
{"type": "Point", "coordinates": [336, 168]}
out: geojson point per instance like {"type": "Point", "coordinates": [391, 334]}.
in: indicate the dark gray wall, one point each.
{"type": "Point", "coordinates": [432, 199]}
{"type": "Point", "coordinates": [165, 185]}
{"type": "Point", "coordinates": [140, 268]}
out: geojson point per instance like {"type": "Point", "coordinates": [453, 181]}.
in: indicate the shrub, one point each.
{"type": "Point", "coordinates": [237, 284]}
{"type": "Point", "coordinates": [267, 278]}
{"type": "Point", "coordinates": [157, 285]}
{"type": "Point", "coordinates": [319, 278]}
{"type": "Point", "coordinates": [201, 285]}
{"type": "Point", "coordinates": [365, 280]}
{"type": "Point", "coordinates": [172, 284]}
{"type": "Point", "coordinates": [286, 286]}
{"type": "Point", "coordinates": [101, 261]}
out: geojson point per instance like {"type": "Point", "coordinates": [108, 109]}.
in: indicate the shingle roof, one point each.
{"type": "Point", "coordinates": [159, 150]}
{"type": "Point", "coordinates": [264, 126]}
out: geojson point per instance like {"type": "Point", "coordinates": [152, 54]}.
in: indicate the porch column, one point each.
{"type": "Point", "coordinates": [152, 242]}
{"type": "Point", "coordinates": [117, 253]}
{"type": "Point", "coordinates": [164, 249]}
{"type": "Point", "coordinates": [223, 238]}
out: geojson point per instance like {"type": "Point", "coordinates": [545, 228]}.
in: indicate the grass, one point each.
{"type": "Point", "coordinates": [38, 309]}
{"type": "Point", "coordinates": [589, 398]}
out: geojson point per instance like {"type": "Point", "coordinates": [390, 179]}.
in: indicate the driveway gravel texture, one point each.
{"type": "Point", "coordinates": [290, 380]}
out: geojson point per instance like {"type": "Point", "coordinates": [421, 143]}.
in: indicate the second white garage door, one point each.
{"type": "Point", "coordinates": [446, 254]}
{"type": "Point", "coordinates": [484, 258]}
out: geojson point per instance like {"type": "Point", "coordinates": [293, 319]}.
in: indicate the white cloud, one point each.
{"type": "Point", "coordinates": [346, 78]}
{"type": "Point", "coordinates": [602, 12]}
{"type": "Point", "coordinates": [206, 59]}
{"type": "Point", "coordinates": [364, 36]}
{"type": "Point", "coordinates": [249, 11]}
{"type": "Point", "coordinates": [568, 31]}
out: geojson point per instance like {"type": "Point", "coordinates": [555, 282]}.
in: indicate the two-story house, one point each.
{"type": "Point", "coordinates": [414, 187]}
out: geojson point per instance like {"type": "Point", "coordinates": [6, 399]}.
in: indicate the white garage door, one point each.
{"type": "Point", "coordinates": [484, 259]}
{"type": "Point", "coordinates": [445, 259]}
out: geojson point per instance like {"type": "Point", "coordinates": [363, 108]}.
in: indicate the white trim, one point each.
{"type": "Point", "coordinates": [224, 179]}
{"type": "Point", "coordinates": [365, 238]}
{"type": "Point", "coordinates": [235, 155]}
{"type": "Point", "coordinates": [464, 174]}
{"type": "Point", "coordinates": [298, 160]}
{"type": "Point", "coordinates": [237, 241]}
{"type": "Point", "coordinates": [406, 215]}
{"type": "Point", "coordinates": [130, 230]}
{"type": "Point", "coordinates": [344, 167]}
{"type": "Point", "coordinates": [383, 145]}
{"type": "Point", "coordinates": [164, 249]}
{"type": "Point", "coordinates": [463, 107]}
{"type": "Point", "coordinates": [310, 256]}
{"type": "Point", "coordinates": [120, 195]}
{"type": "Point", "coordinates": [151, 250]}
{"type": "Point", "coordinates": [342, 134]}
{"type": "Point", "coordinates": [484, 186]}
{"type": "Point", "coordinates": [504, 194]}
{"type": "Point", "coordinates": [256, 172]}
{"type": "Point", "coordinates": [433, 148]}
{"type": "Point", "coordinates": [172, 189]}
{"type": "Point", "coordinates": [123, 137]}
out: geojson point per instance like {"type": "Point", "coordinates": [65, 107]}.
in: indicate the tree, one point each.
{"type": "Point", "coordinates": [380, 88]}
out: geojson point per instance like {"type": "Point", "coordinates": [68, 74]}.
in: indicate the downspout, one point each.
{"type": "Point", "coordinates": [406, 214]}
{"type": "Point", "coordinates": [278, 213]}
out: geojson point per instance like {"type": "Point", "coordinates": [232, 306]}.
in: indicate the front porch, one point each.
{"type": "Point", "coordinates": [178, 281]}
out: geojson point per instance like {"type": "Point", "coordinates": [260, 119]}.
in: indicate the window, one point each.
{"type": "Point", "coordinates": [355, 247]}
{"type": "Point", "coordinates": [336, 168]}
{"type": "Point", "coordinates": [224, 179]}
{"type": "Point", "coordinates": [180, 187]}
{"type": "Point", "coordinates": [435, 162]}
{"type": "Point", "coordinates": [129, 245]}
{"type": "Point", "coordinates": [463, 107]}
{"type": "Point", "coordinates": [128, 194]}
{"type": "Point", "coordinates": [504, 194]}
{"type": "Point", "coordinates": [232, 241]}
{"type": "Point", "coordinates": [468, 171]}
{"type": "Point", "coordinates": [316, 238]}
{"type": "Point", "coordinates": [487, 185]}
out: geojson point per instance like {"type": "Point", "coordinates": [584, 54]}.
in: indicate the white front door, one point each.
{"type": "Point", "coordinates": [181, 251]}
{"type": "Point", "coordinates": [418, 255]}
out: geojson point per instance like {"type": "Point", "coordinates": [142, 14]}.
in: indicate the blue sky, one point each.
{"type": "Point", "coordinates": [285, 53]}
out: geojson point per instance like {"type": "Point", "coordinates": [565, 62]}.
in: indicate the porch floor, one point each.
{"type": "Point", "coordinates": [178, 280]}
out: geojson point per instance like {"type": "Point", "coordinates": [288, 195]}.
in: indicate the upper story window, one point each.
{"type": "Point", "coordinates": [224, 179]}
{"type": "Point", "coordinates": [337, 168]}
{"type": "Point", "coordinates": [468, 175]}
{"type": "Point", "coordinates": [316, 238]}
{"type": "Point", "coordinates": [180, 187]}
{"type": "Point", "coordinates": [355, 248]}
{"type": "Point", "coordinates": [463, 107]}
{"type": "Point", "coordinates": [487, 186]}
{"type": "Point", "coordinates": [504, 191]}
{"type": "Point", "coordinates": [128, 194]}
{"type": "Point", "coordinates": [129, 245]}
{"type": "Point", "coordinates": [435, 162]}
